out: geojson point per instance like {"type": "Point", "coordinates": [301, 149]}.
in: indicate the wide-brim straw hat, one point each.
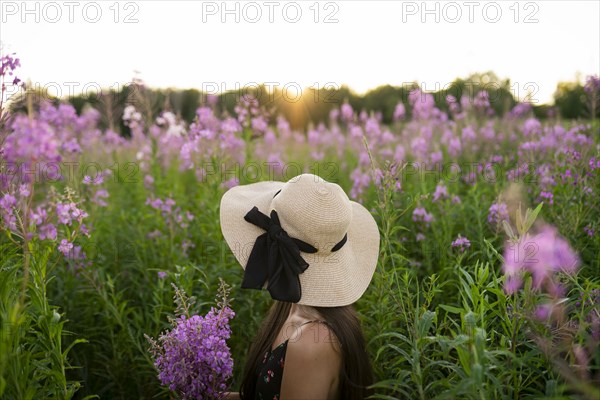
{"type": "Point", "coordinates": [319, 213]}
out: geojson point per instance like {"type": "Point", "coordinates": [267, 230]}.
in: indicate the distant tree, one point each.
{"type": "Point", "coordinates": [570, 98]}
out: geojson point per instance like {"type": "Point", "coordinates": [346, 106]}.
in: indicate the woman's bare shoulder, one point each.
{"type": "Point", "coordinates": [315, 339]}
{"type": "Point", "coordinates": [312, 364]}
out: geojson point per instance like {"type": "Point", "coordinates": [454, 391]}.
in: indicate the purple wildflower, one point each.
{"type": "Point", "coordinates": [543, 311]}
{"type": "Point", "coordinates": [399, 112]}
{"type": "Point", "coordinates": [7, 202]}
{"type": "Point", "coordinates": [100, 196]}
{"type": "Point", "coordinates": [592, 84]}
{"type": "Point", "coordinates": [498, 212]}
{"type": "Point", "coordinates": [347, 112]}
{"type": "Point", "coordinates": [228, 184]}
{"type": "Point", "coordinates": [520, 110]}
{"type": "Point", "coordinates": [542, 255]}
{"type": "Point", "coordinates": [24, 190]}
{"type": "Point", "coordinates": [148, 181]}
{"type": "Point", "coordinates": [441, 192]}
{"type": "Point", "coordinates": [65, 247]}
{"type": "Point", "coordinates": [47, 231]}
{"type": "Point", "coordinates": [38, 216]}
{"type": "Point", "coordinates": [462, 243]}
{"type": "Point", "coordinates": [194, 358]}
{"type": "Point", "coordinates": [421, 215]}
{"type": "Point", "coordinates": [512, 284]}
{"type": "Point", "coordinates": [547, 196]}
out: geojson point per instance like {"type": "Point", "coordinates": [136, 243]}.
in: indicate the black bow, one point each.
{"type": "Point", "coordinates": [275, 257]}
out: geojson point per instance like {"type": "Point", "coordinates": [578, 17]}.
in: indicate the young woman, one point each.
{"type": "Point", "coordinates": [315, 251]}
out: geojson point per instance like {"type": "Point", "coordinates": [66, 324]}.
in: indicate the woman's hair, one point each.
{"type": "Point", "coordinates": [355, 374]}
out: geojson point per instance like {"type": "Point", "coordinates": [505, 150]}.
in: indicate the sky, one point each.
{"type": "Point", "coordinates": [75, 46]}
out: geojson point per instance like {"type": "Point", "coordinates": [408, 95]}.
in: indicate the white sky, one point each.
{"type": "Point", "coordinates": [181, 44]}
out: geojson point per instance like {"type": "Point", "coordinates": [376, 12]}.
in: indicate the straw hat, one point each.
{"type": "Point", "coordinates": [303, 240]}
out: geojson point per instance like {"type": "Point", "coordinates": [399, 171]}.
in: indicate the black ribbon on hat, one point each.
{"type": "Point", "coordinates": [275, 257]}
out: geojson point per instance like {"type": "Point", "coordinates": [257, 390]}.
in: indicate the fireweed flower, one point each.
{"type": "Point", "coordinates": [38, 216]}
{"type": "Point", "coordinates": [148, 182]}
{"type": "Point", "coordinates": [461, 243]}
{"type": "Point", "coordinates": [541, 255]}
{"type": "Point", "coordinates": [361, 181]}
{"type": "Point", "coordinates": [520, 110]}
{"type": "Point", "coordinates": [452, 104]}
{"type": "Point", "coordinates": [592, 84]}
{"type": "Point", "coordinates": [481, 102]}
{"type": "Point", "coordinates": [454, 147]}
{"type": "Point", "coordinates": [68, 212]}
{"type": "Point", "coordinates": [24, 190]}
{"type": "Point", "coordinates": [423, 104]}
{"type": "Point", "coordinates": [547, 196]}
{"type": "Point", "coordinates": [347, 112]}
{"type": "Point", "coordinates": [399, 112]}
{"type": "Point", "coordinates": [422, 216]}
{"type": "Point", "coordinates": [436, 157]}
{"type": "Point", "coordinates": [7, 202]}
{"type": "Point", "coordinates": [193, 358]}
{"type": "Point", "coordinates": [497, 213]}
{"type": "Point", "coordinates": [131, 116]}
{"type": "Point", "coordinates": [65, 247]}
{"type": "Point", "coordinates": [543, 311]}
{"type": "Point", "coordinates": [99, 197]}
{"type": "Point", "coordinates": [47, 231]}
{"type": "Point", "coordinates": [441, 192]}
{"type": "Point", "coordinates": [594, 164]}
{"type": "Point", "coordinates": [228, 184]}
{"type": "Point", "coordinates": [532, 126]}
{"type": "Point", "coordinates": [468, 133]}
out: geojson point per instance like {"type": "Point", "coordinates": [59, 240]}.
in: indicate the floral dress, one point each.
{"type": "Point", "coordinates": [270, 372]}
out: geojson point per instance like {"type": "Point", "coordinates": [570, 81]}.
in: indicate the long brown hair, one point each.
{"type": "Point", "coordinates": [356, 373]}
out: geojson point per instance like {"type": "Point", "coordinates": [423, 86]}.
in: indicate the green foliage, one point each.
{"type": "Point", "coordinates": [33, 359]}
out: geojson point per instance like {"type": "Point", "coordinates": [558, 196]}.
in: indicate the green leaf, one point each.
{"type": "Point", "coordinates": [425, 322]}
{"type": "Point", "coordinates": [531, 217]}
{"type": "Point", "coordinates": [508, 229]}
{"type": "Point", "coordinates": [451, 309]}
{"type": "Point", "coordinates": [519, 221]}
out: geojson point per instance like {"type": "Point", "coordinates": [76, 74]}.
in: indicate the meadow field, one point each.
{"type": "Point", "coordinates": [488, 281]}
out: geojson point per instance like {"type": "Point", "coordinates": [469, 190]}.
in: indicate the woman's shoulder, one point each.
{"type": "Point", "coordinates": [314, 339]}
{"type": "Point", "coordinates": [314, 357]}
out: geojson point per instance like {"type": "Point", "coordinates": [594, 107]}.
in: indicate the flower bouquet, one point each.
{"type": "Point", "coordinates": [192, 358]}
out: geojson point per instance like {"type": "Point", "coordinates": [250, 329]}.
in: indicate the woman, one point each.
{"type": "Point", "coordinates": [315, 251]}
